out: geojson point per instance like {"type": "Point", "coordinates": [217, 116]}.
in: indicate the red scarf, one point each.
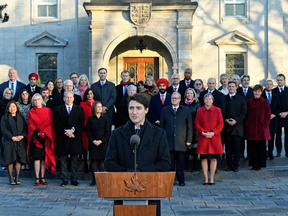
{"type": "Point", "coordinates": [42, 120]}
{"type": "Point", "coordinates": [128, 83]}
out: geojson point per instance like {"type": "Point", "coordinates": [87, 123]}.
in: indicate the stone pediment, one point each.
{"type": "Point", "coordinates": [236, 38]}
{"type": "Point", "coordinates": [46, 39]}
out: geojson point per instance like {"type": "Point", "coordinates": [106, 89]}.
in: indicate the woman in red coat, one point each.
{"type": "Point", "coordinates": [88, 100]}
{"type": "Point", "coordinates": [209, 123]}
{"type": "Point", "coordinates": [257, 128]}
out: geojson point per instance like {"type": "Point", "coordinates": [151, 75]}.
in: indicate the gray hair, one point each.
{"type": "Point", "coordinates": [174, 74]}
{"type": "Point", "coordinates": [131, 87]}
{"type": "Point", "coordinates": [208, 95]}
{"type": "Point", "coordinates": [66, 92]}
{"type": "Point", "coordinates": [269, 80]}
{"type": "Point", "coordinates": [83, 75]}
{"type": "Point", "coordinates": [179, 95]}
{"type": "Point", "coordinates": [235, 75]}
{"type": "Point", "coordinates": [12, 69]}
{"type": "Point", "coordinates": [68, 80]}
{"type": "Point", "coordinates": [35, 95]}
{"type": "Point", "coordinates": [195, 95]}
{"type": "Point", "coordinates": [224, 75]}
{"type": "Point", "coordinates": [243, 76]}
{"type": "Point", "coordinates": [199, 81]}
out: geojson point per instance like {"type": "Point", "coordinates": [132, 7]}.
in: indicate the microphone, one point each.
{"type": "Point", "coordinates": [134, 142]}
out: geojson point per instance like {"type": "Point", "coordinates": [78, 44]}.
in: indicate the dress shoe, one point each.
{"type": "Point", "coordinates": [236, 170]}
{"type": "Point", "coordinates": [64, 184]}
{"type": "Point", "coordinates": [212, 183]}
{"type": "Point", "coordinates": [271, 157]}
{"type": "Point", "coordinates": [229, 169]}
{"type": "Point", "coordinates": [253, 168]}
{"type": "Point", "coordinates": [242, 156]}
{"type": "Point", "coordinates": [205, 183]}
{"type": "Point", "coordinates": [278, 155]}
{"type": "Point", "coordinates": [181, 183]}
{"type": "Point", "coordinates": [258, 169]}
{"type": "Point", "coordinates": [75, 183]}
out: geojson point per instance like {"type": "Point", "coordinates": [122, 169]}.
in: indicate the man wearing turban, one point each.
{"type": "Point", "coordinates": [32, 88]}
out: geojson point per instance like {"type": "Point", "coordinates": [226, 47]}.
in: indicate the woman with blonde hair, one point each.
{"type": "Point", "coordinates": [150, 89]}
{"type": "Point", "coordinates": [82, 85]}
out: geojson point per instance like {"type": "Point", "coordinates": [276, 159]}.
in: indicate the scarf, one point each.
{"type": "Point", "coordinates": [127, 84]}
{"type": "Point", "coordinates": [187, 102]}
{"type": "Point", "coordinates": [82, 90]}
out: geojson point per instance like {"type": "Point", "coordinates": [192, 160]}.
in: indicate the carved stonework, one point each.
{"type": "Point", "coordinates": [135, 185]}
{"type": "Point", "coordinates": [140, 14]}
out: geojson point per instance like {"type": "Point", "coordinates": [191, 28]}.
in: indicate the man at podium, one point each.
{"type": "Point", "coordinates": [153, 150]}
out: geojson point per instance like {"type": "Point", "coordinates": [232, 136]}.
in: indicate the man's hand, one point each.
{"type": "Point", "coordinates": [69, 133]}
{"type": "Point", "coordinates": [273, 116]}
{"type": "Point", "coordinates": [15, 139]}
{"type": "Point", "coordinates": [104, 109]}
{"type": "Point", "coordinates": [188, 143]}
{"type": "Point", "coordinates": [158, 122]}
{"type": "Point", "coordinates": [97, 142]}
{"type": "Point", "coordinates": [283, 114]}
{"type": "Point", "coordinates": [20, 137]}
{"type": "Point", "coordinates": [231, 122]}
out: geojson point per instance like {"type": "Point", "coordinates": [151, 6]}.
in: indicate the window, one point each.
{"type": "Point", "coordinates": [47, 67]}
{"type": "Point", "coordinates": [47, 8]}
{"type": "Point", "coordinates": [235, 64]}
{"type": "Point", "coordinates": [235, 7]}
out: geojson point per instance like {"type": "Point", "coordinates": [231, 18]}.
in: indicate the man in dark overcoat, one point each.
{"type": "Point", "coordinates": [32, 88]}
{"type": "Point", "coordinates": [176, 87]}
{"type": "Point", "coordinates": [105, 92]}
{"type": "Point", "coordinates": [275, 108]}
{"type": "Point", "coordinates": [176, 120]}
{"type": "Point", "coordinates": [187, 82]}
{"type": "Point", "coordinates": [69, 121]}
{"type": "Point", "coordinates": [282, 91]}
{"type": "Point", "coordinates": [233, 131]}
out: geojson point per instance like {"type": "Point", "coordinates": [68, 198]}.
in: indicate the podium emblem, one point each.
{"type": "Point", "coordinates": [135, 185]}
{"type": "Point", "coordinates": [140, 14]}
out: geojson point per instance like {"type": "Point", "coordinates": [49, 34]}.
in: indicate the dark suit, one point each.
{"type": "Point", "coordinates": [179, 130]}
{"type": "Point", "coordinates": [28, 88]}
{"type": "Point", "coordinates": [181, 90]}
{"type": "Point", "coordinates": [282, 122]}
{"type": "Point", "coordinates": [275, 108]}
{"type": "Point", "coordinates": [107, 94]}
{"type": "Point", "coordinates": [249, 95]}
{"type": "Point", "coordinates": [156, 106]}
{"type": "Point", "coordinates": [219, 100]}
{"type": "Point", "coordinates": [236, 109]}
{"type": "Point", "coordinates": [66, 145]}
{"type": "Point", "coordinates": [191, 84]}
{"type": "Point", "coordinates": [19, 86]}
{"type": "Point", "coordinates": [59, 100]}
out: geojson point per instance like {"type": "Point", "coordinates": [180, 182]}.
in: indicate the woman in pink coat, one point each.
{"type": "Point", "coordinates": [209, 123]}
{"type": "Point", "coordinates": [257, 128]}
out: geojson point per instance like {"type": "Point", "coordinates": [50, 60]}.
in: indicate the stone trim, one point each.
{"type": "Point", "coordinates": [242, 39]}
{"type": "Point", "coordinates": [36, 41]}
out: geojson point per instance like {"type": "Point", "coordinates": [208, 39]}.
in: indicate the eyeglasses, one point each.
{"type": "Point", "coordinates": [198, 84]}
{"type": "Point", "coordinates": [73, 77]}
{"type": "Point", "coordinates": [174, 98]}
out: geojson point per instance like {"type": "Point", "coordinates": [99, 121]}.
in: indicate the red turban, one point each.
{"type": "Point", "coordinates": [162, 80]}
{"type": "Point", "coordinates": [33, 75]}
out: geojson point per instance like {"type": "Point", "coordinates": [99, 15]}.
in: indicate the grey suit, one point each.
{"type": "Point", "coordinates": [107, 94]}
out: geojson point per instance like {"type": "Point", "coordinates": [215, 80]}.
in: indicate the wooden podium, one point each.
{"type": "Point", "coordinates": [134, 193]}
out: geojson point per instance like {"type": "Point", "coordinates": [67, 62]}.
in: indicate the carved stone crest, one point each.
{"type": "Point", "coordinates": [140, 14]}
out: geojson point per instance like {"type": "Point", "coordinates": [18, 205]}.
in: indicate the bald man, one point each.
{"type": "Point", "coordinates": [219, 100]}
{"type": "Point", "coordinates": [176, 87]}
{"type": "Point", "coordinates": [12, 83]}
{"type": "Point", "coordinates": [187, 82]}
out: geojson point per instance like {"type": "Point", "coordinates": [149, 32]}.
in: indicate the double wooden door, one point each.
{"type": "Point", "coordinates": [139, 68]}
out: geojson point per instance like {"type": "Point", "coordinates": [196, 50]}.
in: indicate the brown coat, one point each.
{"type": "Point", "coordinates": [149, 94]}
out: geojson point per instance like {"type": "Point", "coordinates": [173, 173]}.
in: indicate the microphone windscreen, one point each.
{"type": "Point", "coordinates": [135, 139]}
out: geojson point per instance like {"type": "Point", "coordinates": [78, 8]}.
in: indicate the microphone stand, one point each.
{"type": "Point", "coordinates": [135, 152]}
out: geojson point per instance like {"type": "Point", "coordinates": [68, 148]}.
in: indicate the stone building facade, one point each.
{"type": "Point", "coordinates": [56, 37]}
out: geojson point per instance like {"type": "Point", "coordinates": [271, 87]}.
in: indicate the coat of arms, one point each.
{"type": "Point", "coordinates": [140, 14]}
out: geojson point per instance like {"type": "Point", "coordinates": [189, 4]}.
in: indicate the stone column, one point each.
{"type": "Point", "coordinates": [184, 40]}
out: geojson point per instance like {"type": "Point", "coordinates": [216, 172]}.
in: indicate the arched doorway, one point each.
{"type": "Point", "coordinates": [155, 60]}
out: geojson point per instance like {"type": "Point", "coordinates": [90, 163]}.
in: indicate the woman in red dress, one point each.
{"type": "Point", "coordinates": [209, 123]}
{"type": "Point", "coordinates": [88, 101]}
{"type": "Point", "coordinates": [41, 139]}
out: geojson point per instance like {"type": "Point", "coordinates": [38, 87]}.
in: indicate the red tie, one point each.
{"type": "Point", "coordinates": [33, 91]}
{"type": "Point", "coordinates": [162, 100]}
{"type": "Point", "coordinates": [175, 89]}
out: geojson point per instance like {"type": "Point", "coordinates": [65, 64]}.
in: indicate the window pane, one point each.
{"type": "Point", "coordinates": [42, 10]}
{"type": "Point", "coordinates": [229, 9]}
{"type": "Point", "coordinates": [240, 10]}
{"type": "Point", "coordinates": [52, 10]}
{"type": "Point", "coordinates": [234, 64]}
{"type": "Point", "coordinates": [47, 67]}
{"type": "Point", "coordinates": [48, 1]}
{"type": "Point", "coordinates": [240, 1]}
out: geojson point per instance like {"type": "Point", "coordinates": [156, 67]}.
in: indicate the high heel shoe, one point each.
{"type": "Point", "coordinates": [36, 182]}
{"type": "Point", "coordinates": [42, 181]}
{"type": "Point", "coordinates": [12, 182]}
{"type": "Point", "coordinates": [205, 183]}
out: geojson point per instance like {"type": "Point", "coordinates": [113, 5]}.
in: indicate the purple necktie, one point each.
{"type": "Point", "coordinates": [69, 110]}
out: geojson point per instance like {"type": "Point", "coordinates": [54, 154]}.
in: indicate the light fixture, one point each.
{"type": "Point", "coordinates": [141, 46]}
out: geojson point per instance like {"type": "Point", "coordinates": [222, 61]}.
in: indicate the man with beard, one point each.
{"type": "Point", "coordinates": [159, 101]}
{"type": "Point", "coordinates": [176, 87]}
{"type": "Point", "coordinates": [187, 82]}
{"type": "Point", "coordinates": [32, 88]}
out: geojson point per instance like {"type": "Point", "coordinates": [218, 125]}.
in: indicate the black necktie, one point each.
{"type": "Point", "coordinates": [137, 131]}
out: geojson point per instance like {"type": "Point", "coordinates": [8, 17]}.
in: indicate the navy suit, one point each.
{"type": "Point", "coordinates": [191, 84]}
{"type": "Point", "coordinates": [5, 85]}
{"type": "Point", "coordinates": [156, 106]}
{"type": "Point", "coordinates": [282, 122]}
{"type": "Point", "coordinates": [181, 91]}
{"type": "Point", "coordinates": [28, 88]}
{"type": "Point", "coordinates": [275, 108]}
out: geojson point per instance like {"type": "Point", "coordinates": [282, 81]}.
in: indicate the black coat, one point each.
{"type": "Point", "coordinates": [122, 113]}
{"type": "Point", "coordinates": [152, 154]}
{"type": "Point", "coordinates": [62, 121]}
{"type": "Point", "coordinates": [156, 106]}
{"type": "Point", "coordinates": [10, 149]}
{"type": "Point", "coordinates": [193, 107]}
{"type": "Point", "coordinates": [50, 105]}
{"type": "Point", "coordinates": [284, 105]}
{"type": "Point", "coordinates": [236, 109]}
{"type": "Point", "coordinates": [181, 90]}
{"type": "Point", "coordinates": [219, 100]}
{"type": "Point", "coordinates": [97, 129]}
{"type": "Point", "coordinates": [3, 105]}
{"type": "Point", "coordinates": [191, 84]}
{"type": "Point", "coordinates": [249, 94]}
{"type": "Point", "coordinates": [179, 127]}
{"type": "Point", "coordinates": [19, 86]}
{"type": "Point", "coordinates": [28, 88]}
{"type": "Point", "coordinates": [107, 96]}
{"type": "Point", "coordinates": [59, 100]}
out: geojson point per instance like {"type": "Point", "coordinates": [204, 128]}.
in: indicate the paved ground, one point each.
{"type": "Point", "coordinates": [230, 197]}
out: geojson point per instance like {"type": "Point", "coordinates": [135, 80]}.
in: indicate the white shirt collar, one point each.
{"type": "Point", "coordinates": [268, 93]}
{"type": "Point", "coordinates": [232, 94]}
{"type": "Point", "coordinates": [211, 91]}
{"type": "Point", "coordinates": [71, 106]}
{"type": "Point", "coordinates": [12, 82]}
{"type": "Point", "coordinates": [175, 107]}
{"type": "Point", "coordinates": [177, 87]}
{"type": "Point", "coordinates": [281, 88]}
{"type": "Point", "coordinates": [102, 82]}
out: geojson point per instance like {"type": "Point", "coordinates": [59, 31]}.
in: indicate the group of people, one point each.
{"type": "Point", "coordinates": [65, 119]}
